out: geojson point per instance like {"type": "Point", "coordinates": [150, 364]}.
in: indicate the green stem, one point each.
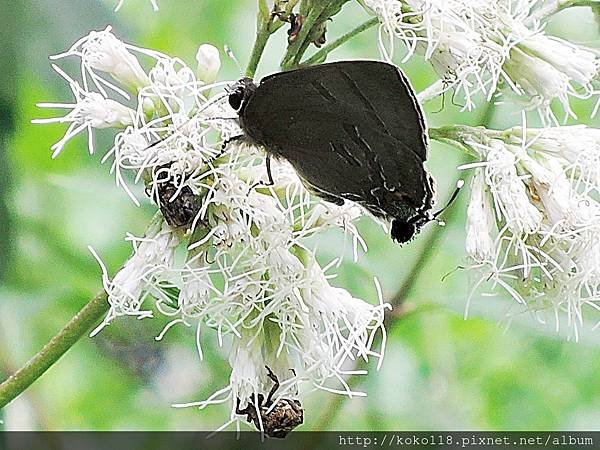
{"type": "Point", "coordinates": [334, 7]}
{"type": "Point", "coordinates": [578, 3]}
{"type": "Point", "coordinates": [410, 281]}
{"type": "Point", "coordinates": [451, 136]}
{"type": "Point", "coordinates": [262, 36]}
{"type": "Point", "coordinates": [53, 350]}
{"type": "Point", "coordinates": [321, 55]}
{"type": "Point", "coordinates": [557, 6]}
{"type": "Point", "coordinates": [460, 136]}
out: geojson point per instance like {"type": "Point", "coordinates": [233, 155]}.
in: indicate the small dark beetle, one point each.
{"type": "Point", "coordinates": [181, 210]}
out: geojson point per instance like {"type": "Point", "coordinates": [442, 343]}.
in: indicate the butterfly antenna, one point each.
{"type": "Point", "coordinates": [459, 185]}
{"type": "Point", "coordinates": [234, 59]}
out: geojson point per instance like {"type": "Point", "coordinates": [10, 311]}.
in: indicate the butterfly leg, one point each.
{"type": "Point", "coordinates": [229, 140]}
{"type": "Point", "coordinates": [269, 174]}
{"type": "Point", "coordinates": [224, 146]}
{"type": "Point", "coordinates": [271, 182]}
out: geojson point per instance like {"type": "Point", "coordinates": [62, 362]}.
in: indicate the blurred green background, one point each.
{"type": "Point", "coordinates": [440, 371]}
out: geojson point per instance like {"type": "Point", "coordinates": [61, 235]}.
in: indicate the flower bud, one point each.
{"type": "Point", "coordinates": [209, 63]}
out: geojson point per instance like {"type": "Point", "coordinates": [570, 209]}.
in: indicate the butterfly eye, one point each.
{"type": "Point", "coordinates": [235, 99]}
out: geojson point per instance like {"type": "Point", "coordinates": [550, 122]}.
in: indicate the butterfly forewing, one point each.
{"type": "Point", "coordinates": [378, 93]}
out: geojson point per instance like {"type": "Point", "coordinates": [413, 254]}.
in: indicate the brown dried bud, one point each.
{"type": "Point", "coordinates": [276, 421]}
{"type": "Point", "coordinates": [296, 21]}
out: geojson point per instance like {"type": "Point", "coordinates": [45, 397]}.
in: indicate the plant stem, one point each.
{"type": "Point", "coordinates": [452, 136]}
{"type": "Point", "coordinates": [429, 246]}
{"type": "Point", "coordinates": [53, 350]}
{"type": "Point", "coordinates": [556, 6]}
{"type": "Point", "coordinates": [262, 36]}
{"type": "Point", "coordinates": [460, 136]}
{"type": "Point", "coordinates": [321, 55]}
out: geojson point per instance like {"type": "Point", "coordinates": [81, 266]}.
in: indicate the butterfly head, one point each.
{"type": "Point", "coordinates": [240, 92]}
{"type": "Point", "coordinates": [403, 231]}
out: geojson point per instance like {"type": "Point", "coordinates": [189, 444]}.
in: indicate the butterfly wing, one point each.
{"type": "Point", "coordinates": [352, 130]}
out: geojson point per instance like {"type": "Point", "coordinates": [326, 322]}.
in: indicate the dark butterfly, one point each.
{"type": "Point", "coordinates": [353, 130]}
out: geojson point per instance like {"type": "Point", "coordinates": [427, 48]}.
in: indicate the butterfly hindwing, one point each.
{"type": "Point", "coordinates": [386, 185]}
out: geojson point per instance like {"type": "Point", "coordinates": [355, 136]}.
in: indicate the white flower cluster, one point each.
{"type": "Point", "coordinates": [533, 220]}
{"type": "Point", "coordinates": [236, 264]}
{"type": "Point", "coordinates": [475, 45]}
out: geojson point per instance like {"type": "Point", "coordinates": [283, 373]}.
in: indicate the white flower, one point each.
{"type": "Point", "coordinates": [166, 129]}
{"type": "Point", "coordinates": [473, 45]}
{"type": "Point", "coordinates": [576, 146]}
{"type": "Point", "coordinates": [173, 83]}
{"type": "Point", "coordinates": [480, 225]}
{"type": "Point", "coordinates": [540, 81]}
{"type": "Point", "coordinates": [577, 63]}
{"type": "Point", "coordinates": [551, 185]}
{"type": "Point", "coordinates": [450, 34]}
{"type": "Point", "coordinates": [152, 256]}
{"type": "Point", "coordinates": [248, 375]}
{"type": "Point", "coordinates": [338, 327]}
{"type": "Point", "coordinates": [247, 275]}
{"type": "Point", "coordinates": [314, 328]}
{"type": "Point", "coordinates": [544, 242]}
{"type": "Point", "coordinates": [91, 110]}
{"type": "Point", "coordinates": [548, 68]}
{"type": "Point", "coordinates": [509, 190]}
{"type": "Point", "coordinates": [197, 287]}
{"type": "Point", "coordinates": [102, 51]}
{"type": "Point", "coordinates": [209, 63]}
{"type": "Point", "coordinates": [469, 64]}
